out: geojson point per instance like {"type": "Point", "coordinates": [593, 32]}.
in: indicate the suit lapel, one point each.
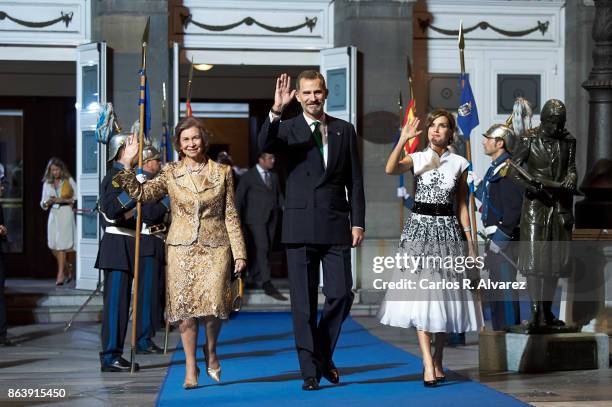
{"type": "Point", "coordinates": [183, 179]}
{"type": "Point", "coordinates": [302, 133]}
{"type": "Point", "coordinates": [258, 178]}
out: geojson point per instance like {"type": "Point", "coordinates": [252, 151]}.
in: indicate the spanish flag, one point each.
{"type": "Point", "coordinates": [188, 108]}
{"type": "Point", "coordinates": [411, 145]}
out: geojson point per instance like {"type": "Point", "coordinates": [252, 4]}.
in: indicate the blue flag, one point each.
{"type": "Point", "coordinates": [467, 117]}
{"type": "Point", "coordinates": [147, 103]}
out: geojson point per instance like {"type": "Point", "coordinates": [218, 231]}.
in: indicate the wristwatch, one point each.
{"type": "Point", "coordinates": [276, 112]}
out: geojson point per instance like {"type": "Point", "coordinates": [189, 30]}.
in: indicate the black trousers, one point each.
{"type": "Point", "coordinates": [315, 342]}
{"type": "Point", "coordinates": [260, 239]}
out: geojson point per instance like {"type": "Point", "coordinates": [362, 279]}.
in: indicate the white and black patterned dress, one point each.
{"type": "Point", "coordinates": [437, 301]}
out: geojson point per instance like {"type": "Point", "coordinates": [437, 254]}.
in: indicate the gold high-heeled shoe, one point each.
{"type": "Point", "coordinates": [214, 374]}
{"type": "Point", "coordinates": [192, 385]}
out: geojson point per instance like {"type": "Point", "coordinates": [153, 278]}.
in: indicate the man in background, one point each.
{"type": "Point", "coordinates": [258, 200]}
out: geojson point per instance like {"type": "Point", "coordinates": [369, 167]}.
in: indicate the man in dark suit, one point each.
{"type": "Point", "coordinates": [319, 224]}
{"type": "Point", "coordinates": [258, 199]}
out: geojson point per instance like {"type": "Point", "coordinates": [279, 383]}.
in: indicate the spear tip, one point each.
{"type": "Point", "coordinates": [408, 68]}
{"type": "Point", "coordinates": [461, 38]}
{"type": "Point", "coordinates": [145, 34]}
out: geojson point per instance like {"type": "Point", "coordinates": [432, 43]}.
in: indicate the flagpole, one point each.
{"type": "Point", "coordinates": [468, 147]}
{"type": "Point", "coordinates": [188, 111]}
{"type": "Point", "coordinates": [143, 83]}
{"type": "Point", "coordinates": [401, 198]}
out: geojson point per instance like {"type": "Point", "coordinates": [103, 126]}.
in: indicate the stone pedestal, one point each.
{"type": "Point", "coordinates": [501, 351]}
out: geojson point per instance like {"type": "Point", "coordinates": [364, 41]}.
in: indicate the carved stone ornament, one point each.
{"type": "Point", "coordinates": [66, 18]}
{"type": "Point", "coordinates": [187, 19]}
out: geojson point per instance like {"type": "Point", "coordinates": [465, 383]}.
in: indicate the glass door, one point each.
{"type": "Point", "coordinates": [339, 67]}
{"type": "Point", "coordinates": [91, 157]}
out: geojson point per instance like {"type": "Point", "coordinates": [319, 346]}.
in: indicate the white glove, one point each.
{"type": "Point", "coordinates": [141, 178]}
{"type": "Point", "coordinates": [494, 248]}
{"type": "Point", "coordinates": [401, 192]}
{"type": "Point", "coordinates": [473, 178]}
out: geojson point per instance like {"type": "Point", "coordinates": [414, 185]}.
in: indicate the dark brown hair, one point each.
{"type": "Point", "coordinates": [187, 123]}
{"type": "Point", "coordinates": [452, 124]}
{"type": "Point", "coordinates": [309, 74]}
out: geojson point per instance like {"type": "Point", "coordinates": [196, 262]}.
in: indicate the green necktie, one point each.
{"type": "Point", "coordinates": [317, 136]}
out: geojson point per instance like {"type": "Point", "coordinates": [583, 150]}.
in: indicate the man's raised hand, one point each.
{"type": "Point", "coordinates": [283, 93]}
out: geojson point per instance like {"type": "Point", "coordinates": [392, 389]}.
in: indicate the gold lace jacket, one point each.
{"type": "Point", "coordinates": [204, 214]}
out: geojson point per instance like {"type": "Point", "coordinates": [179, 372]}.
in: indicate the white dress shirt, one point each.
{"type": "Point", "coordinates": [262, 173]}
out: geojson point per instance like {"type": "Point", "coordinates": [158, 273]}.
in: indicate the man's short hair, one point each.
{"type": "Point", "coordinates": [263, 154]}
{"type": "Point", "coordinates": [309, 74]}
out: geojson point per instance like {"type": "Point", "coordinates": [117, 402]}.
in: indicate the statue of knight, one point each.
{"type": "Point", "coordinates": [544, 163]}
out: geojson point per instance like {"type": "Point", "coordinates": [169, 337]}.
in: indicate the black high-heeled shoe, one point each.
{"type": "Point", "coordinates": [429, 383]}
{"type": "Point", "coordinates": [440, 379]}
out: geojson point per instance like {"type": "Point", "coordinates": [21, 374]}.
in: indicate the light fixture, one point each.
{"type": "Point", "coordinates": [203, 67]}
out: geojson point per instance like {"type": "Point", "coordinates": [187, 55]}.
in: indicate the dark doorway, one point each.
{"type": "Point", "coordinates": [48, 129]}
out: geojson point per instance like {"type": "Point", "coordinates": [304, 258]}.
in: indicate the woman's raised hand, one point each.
{"type": "Point", "coordinates": [409, 131]}
{"type": "Point", "coordinates": [283, 93]}
{"type": "Point", "coordinates": [131, 149]}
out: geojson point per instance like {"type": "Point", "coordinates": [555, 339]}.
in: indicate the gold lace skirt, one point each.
{"type": "Point", "coordinates": [199, 282]}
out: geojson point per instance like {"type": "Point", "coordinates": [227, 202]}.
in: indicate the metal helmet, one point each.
{"type": "Point", "coordinates": [553, 107]}
{"type": "Point", "coordinates": [150, 153]}
{"type": "Point", "coordinates": [115, 143]}
{"type": "Point", "coordinates": [502, 132]}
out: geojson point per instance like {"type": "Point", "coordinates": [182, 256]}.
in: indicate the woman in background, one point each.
{"type": "Point", "coordinates": [58, 198]}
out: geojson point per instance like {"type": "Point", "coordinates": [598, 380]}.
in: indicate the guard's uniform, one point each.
{"type": "Point", "coordinates": [116, 258]}
{"type": "Point", "coordinates": [501, 212]}
{"type": "Point", "coordinates": [152, 268]}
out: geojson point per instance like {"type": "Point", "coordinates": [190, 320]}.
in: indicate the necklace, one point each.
{"type": "Point", "coordinates": [197, 168]}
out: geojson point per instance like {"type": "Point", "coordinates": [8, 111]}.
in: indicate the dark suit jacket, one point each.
{"type": "Point", "coordinates": [254, 201]}
{"type": "Point", "coordinates": [316, 206]}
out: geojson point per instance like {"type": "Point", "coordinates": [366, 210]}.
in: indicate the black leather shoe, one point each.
{"type": "Point", "coordinates": [331, 373]}
{"type": "Point", "coordinates": [119, 365]}
{"type": "Point", "coordinates": [152, 349]}
{"type": "Point", "coordinates": [270, 290]}
{"type": "Point", "coordinates": [310, 383]}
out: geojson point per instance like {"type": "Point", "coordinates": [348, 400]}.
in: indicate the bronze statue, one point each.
{"type": "Point", "coordinates": [544, 163]}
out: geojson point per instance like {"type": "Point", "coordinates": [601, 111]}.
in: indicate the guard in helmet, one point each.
{"type": "Point", "coordinates": [500, 214]}
{"type": "Point", "coordinates": [151, 279]}
{"type": "Point", "coordinates": [116, 259]}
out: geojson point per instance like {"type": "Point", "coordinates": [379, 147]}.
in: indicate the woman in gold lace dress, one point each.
{"type": "Point", "coordinates": [204, 237]}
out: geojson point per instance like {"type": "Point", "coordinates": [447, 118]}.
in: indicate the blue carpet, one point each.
{"type": "Point", "coordinates": [260, 368]}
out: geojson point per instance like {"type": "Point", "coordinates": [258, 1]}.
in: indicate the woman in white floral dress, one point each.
{"type": "Point", "coordinates": [437, 232]}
